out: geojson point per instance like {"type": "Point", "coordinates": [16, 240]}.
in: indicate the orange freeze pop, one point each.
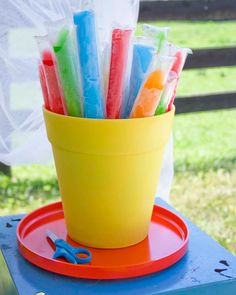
{"type": "Point", "coordinates": [149, 97]}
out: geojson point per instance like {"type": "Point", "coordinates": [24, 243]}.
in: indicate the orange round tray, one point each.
{"type": "Point", "coordinates": [167, 242]}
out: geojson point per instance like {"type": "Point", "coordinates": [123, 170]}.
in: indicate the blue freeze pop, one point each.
{"type": "Point", "coordinates": [89, 65]}
{"type": "Point", "coordinates": [142, 58]}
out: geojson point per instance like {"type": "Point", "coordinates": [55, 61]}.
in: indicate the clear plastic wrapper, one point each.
{"type": "Point", "coordinates": [143, 53]}
{"type": "Point", "coordinates": [119, 57]}
{"type": "Point", "coordinates": [123, 15]}
{"type": "Point", "coordinates": [167, 172]}
{"type": "Point", "coordinates": [159, 35]}
{"type": "Point", "coordinates": [48, 60]}
{"type": "Point", "coordinates": [180, 55]}
{"type": "Point", "coordinates": [44, 87]}
{"type": "Point", "coordinates": [150, 94]}
{"type": "Point", "coordinates": [92, 86]}
{"type": "Point", "coordinates": [167, 93]}
{"type": "Point", "coordinates": [127, 75]}
{"type": "Point", "coordinates": [22, 130]}
{"type": "Point", "coordinates": [114, 14]}
{"type": "Point", "coordinates": [60, 35]}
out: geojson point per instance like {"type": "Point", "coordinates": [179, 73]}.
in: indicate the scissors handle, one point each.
{"type": "Point", "coordinates": [63, 249]}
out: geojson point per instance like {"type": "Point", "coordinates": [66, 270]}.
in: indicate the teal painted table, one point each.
{"type": "Point", "coordinates": [207, 269]}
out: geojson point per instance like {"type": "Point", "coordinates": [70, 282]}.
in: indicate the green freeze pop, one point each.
{"type": "Point", "coordinates": [167, 93]}
{"type": "Point", "coordinates": [158, 34]}
{"type": "Point", "coordinates": [64, 52]}
{"type": "Point", "coordinates": [161, 109]}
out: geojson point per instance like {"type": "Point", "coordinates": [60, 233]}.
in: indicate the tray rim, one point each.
{"type": "Point", "coordinates": [109, 272]}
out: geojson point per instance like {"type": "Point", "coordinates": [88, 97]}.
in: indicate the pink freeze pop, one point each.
{"type": "Point", "coordinates": [44, 87]}
{"type": "Point", "coordinates": [180, 56]}
{"type": "Point", "coordinates": [56, 100]}
{"type": "Point", "coordinates": [119, 58]}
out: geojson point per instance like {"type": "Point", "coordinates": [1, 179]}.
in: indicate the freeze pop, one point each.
{"type": "Point", "coordinates": [142, 58]}
{"type": "Point", "coordinates": [149, 96]}
{"type": "Point", "coordinates": [43, 83]}
{"type": "Point", "coordinates": [56, 99]}
{"type": "Point", "coordinates": [167, 93]}
{"type": "Point", "coordinates": [180, 59]}
{"type": "Point", "coordinates": [119, 56]}
{"type": "Point", "coordinates": [64, 52]}
{"type": "Point", "coordinates": [93, 98]}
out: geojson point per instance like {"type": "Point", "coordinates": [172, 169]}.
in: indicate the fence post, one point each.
{"type": "Point", "coordinates": [5, 169]}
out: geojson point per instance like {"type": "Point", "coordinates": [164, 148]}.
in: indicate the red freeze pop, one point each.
{"type": "Point", "coordinates": [44, 87]}
{"type": "Point", "coordinates": [119, 58]}
{"type": "Point", "coordinates": [56, 100]}
{"type": "Point", "coordinates": [177, 68]}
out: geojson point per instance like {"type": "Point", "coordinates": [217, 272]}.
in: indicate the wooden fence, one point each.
{"type": "Point", "coordinates": [208, 58]}
{"type": "Point", "coordinates": [187, 10]}
{"type": "Point", "coordinates": [218, 10]}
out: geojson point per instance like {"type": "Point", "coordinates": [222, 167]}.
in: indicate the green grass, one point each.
{"type": "Point", "coordinates": [29, 188]}
{"type": "Point", "coordinates": [204, 188]}
{"type": "Point", "coordinates": [209, 200]}
{"type": "Point", "coordinates": [205, 141]}
{"type": "Point", "coordinates": [194, 82]}
{"type": "Point", "coordinates": [200, 34]}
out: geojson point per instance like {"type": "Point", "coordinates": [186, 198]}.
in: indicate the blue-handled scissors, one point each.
{"type": "Point", "coordinates": [63, 249]}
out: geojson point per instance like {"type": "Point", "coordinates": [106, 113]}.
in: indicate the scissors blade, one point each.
{"type": "Point", "coordinates": [51, 236]}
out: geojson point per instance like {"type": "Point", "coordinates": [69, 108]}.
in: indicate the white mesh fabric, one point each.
{"type": "Point", "coordinates": [22, 133]}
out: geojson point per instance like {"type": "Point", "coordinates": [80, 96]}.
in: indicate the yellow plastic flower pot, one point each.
{"type": "Point", "coordinates": [108, 172]}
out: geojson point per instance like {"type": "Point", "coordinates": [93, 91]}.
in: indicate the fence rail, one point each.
{"type": "Point", "coordinates": [208, 58]}
{"type": "Point", "coordinates": [197, 103]}
{"type": "Point", "coordinates": [211, 57]}
{"type": "Point", "coordinates": [187, 10]}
